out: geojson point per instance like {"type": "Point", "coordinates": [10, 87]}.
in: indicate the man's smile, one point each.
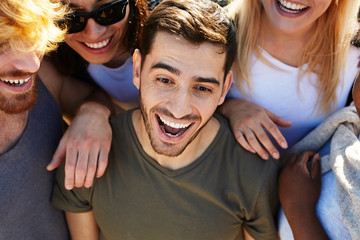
{"type": "Point", "coordinates": [172, 129]}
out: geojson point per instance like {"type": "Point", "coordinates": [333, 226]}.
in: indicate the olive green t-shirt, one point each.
{"type": "Point", "coordinates": [225, 189]}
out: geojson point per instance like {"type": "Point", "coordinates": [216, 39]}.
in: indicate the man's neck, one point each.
{"type": "Point", "coordinates": [12, 127]}
{"type": "Point", "coordinates": [193, 151]}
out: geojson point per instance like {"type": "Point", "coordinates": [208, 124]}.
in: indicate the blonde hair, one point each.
{"type": "Point", "coordinates": [325, 53]}
{"type": "Point", "coordinates": [31, 25]}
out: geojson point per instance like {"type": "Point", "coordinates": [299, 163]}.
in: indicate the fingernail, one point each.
{"type": "Point", "coordinates": [276, 155]}
{"type": "Point", "coordinates": [69, 187]}
{"type": "Point", "coordinates": [284, 145]}
{"type": "Point", "coordinates": [264, 156]}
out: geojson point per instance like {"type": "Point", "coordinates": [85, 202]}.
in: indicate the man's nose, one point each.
{"type": "Point", "coordinates": [28, 62]}
{"type": "Point", "coordinates": [181, 103]}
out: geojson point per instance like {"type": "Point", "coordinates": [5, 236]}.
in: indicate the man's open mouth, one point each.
{"type": "Point", "coordinates": [172, 129]}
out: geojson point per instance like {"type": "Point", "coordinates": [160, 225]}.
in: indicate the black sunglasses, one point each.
{"type": "Point", "coordinates": [105, 15]}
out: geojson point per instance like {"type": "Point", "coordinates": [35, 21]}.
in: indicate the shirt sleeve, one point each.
{"type": "Point", "coordinates": [261, 222]}
{"type": "Point", "coordinates": [76, 200]}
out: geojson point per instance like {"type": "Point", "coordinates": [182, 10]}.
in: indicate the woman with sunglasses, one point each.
{"type": "Point", "coordinates": [101, 38]}
{"type": "Point", "coordinates": [98, 47]}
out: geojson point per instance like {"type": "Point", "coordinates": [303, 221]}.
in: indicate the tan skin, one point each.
{"type": "Point", "coordinates": [299, 190]}
{"type": "Point", "coordinates": [86, 143]}
{"type": "Point", "coordinates": [84, 148]}
{"type": "Point", "coordinates": [183, 88]}
{"type": "Point", "coordinates": [28, 64]}
{"type": "Point", "coordinates": [15, 125]}
{"type": "Point", "coordinates": [284, 39]}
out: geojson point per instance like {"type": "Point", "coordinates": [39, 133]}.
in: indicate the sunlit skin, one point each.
{"type": "Point", "coordinates": [285, 33]}
{"type": "Point", "coordinates": [18, 96]}
{"type": "Point", "coordinates": [356, 91]}
{"type": "Point", "coordinates": [292, 21]}
{"type": "Point", "coordinates": [180, 84]}
{"type": "Point", "coordinates": [114, 53]}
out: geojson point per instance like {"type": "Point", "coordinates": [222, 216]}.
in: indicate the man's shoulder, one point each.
{"type": "Point", "coordinates": [123, 129]}
{"type": "Point", "coordinates": [121, 118]}
{"type": "Point", "coordinates": [233, 153]}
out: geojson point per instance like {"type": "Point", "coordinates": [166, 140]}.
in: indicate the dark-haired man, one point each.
{"type": "Point", "coordinates": [175, 169]}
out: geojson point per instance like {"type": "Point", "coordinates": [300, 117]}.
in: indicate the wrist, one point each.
{"type": "Point", "coordinates": [228, 106]}
{"type": "Point", "coordinates": [95, 108]}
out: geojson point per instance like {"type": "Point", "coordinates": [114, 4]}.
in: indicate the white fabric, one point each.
{"type": "Point", "coordinates": [118, 82]}
{"type": "Point", "coordinates": [276, 89]}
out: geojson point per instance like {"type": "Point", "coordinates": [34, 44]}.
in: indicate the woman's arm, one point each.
{"type": "Point", "coordinates": [86, 143]}
{"type": "Point", "coordinates": [249, 122]}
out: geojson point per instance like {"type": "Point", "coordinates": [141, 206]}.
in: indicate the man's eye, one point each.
{"type": "Point", "coordinates": [163, 80]}
{"type": "Point", "coordinates": [203, 89]}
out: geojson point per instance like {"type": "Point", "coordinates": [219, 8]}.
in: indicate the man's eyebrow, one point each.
{"type": "Point", "coordinates": [207, 80]}
{"type": "Point", "coordinates": [177, 72]}
{"type": "Point", "coordinates": [167, 67]}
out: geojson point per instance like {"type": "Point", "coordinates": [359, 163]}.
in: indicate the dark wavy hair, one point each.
{"type": "Point", "coordinates": [196, 21]}
{"type": "Point", "coordinates": [69, 62]}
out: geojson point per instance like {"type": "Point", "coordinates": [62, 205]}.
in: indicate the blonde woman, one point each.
{"type": "Point", "coordinates": [295, 65]}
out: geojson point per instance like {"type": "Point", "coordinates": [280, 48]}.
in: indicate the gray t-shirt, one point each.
{"type": "Point", "coordinates": [26, 185]}
{"type": "Point", "coordinates": [211, 198]}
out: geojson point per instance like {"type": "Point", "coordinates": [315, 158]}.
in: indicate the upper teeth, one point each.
{"type": "Point", "coordinates": [17, 81]}
{"type": "Point", "coordinates": [292, 6]}
{"type": "Point", "coordinates": [98, 44]}
{"type": "Point", "coordinates": [174, 125]}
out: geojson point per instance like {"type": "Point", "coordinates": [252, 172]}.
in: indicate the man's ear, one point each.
{"type": "Point", "coordinates": [226, 87]}
{"type": "Point", "coordinates": [136, 68]}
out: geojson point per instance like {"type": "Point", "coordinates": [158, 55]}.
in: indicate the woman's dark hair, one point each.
{"type": "Point", "coordinates": [69, 62]}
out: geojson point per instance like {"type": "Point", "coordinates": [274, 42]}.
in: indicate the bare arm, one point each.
{"type": "Point", "coordinates": [86, 143]}
{"type": "Point", "coordinates": [249, 121]}
{"type": "Point", "coordinates": [82, 226]}
{"type": "Point", "coordinates": [247, 235]}
{"type": "Point", "coordinates": [299, 190]}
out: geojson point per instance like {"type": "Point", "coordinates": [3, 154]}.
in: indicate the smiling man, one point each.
{"type": "Point", "coordinates": [175, 169]}
{"type": "Point", "coordinates": [30, 121]}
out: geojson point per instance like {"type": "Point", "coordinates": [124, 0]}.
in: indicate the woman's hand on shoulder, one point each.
{"type": "Point", "coordinates": [85, 145]}
{"type": "Point", "coordinates": [249, 122]}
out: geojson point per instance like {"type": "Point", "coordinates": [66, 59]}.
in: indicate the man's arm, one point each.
{"type": "Point", "coordinates": [86, 143]}
{"type": "Point", "coordinates": [82, 226]}
{"type": "Point", "coordinates": [299, 190]}
{"type": "Point", "coordinates": [262, 193]}
{"type": "Point", "coordinates": [247, 235]}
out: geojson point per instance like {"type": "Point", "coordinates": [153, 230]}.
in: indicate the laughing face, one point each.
{"type": "Point", "coordinates": [18, 92]}
{"type": "Point", "coordinates": [96, 43]}
{"type": "Point", "coordinates": [180, 87]}
{"type": "Point", "coordinates": [293, 16]}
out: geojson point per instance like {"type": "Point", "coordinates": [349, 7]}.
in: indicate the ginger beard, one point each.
{"type": "Point", "coordinates": [13, 102]}
{"type": "Point", "coordinates": [167, 148]}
